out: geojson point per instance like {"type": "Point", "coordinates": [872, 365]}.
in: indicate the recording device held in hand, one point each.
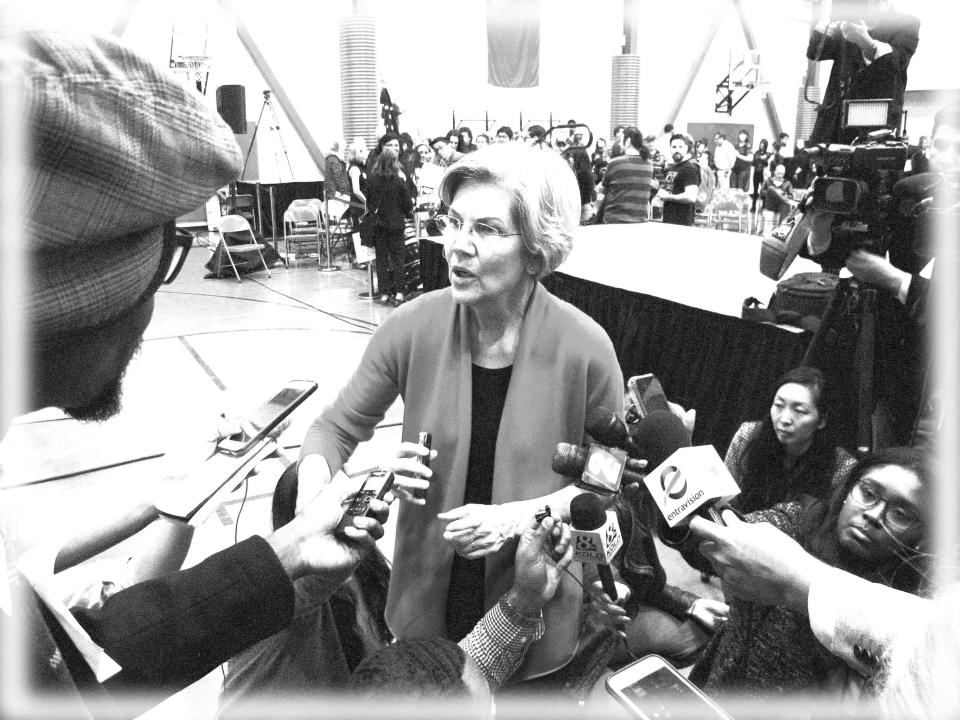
{"type": "Point", "coordinates": [425, 439]}
{"type": "Point", "coordinates": [647, 394]}
{"type": "Point", "coordinates": [374, 487]}
{"type": "Point", "coordinates": [267, 416]}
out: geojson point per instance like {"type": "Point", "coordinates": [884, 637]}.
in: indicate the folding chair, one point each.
{"type": "Point", "coordinates": [301, 222]}
{"type": "Point", "coordinates": [237, 224]}
{"type": "Point", "coordinates": [336, 215]}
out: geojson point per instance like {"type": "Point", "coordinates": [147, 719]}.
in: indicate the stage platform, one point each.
{"type": "Point", "coordinates": [670, 299]}
{"type": "Point", "coordinates": [699, 267]}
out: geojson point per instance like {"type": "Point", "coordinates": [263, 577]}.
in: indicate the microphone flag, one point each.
{"type": "Point", "coordinates": [688, 479]}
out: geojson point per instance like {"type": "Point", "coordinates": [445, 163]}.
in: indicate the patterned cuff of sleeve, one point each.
{"type": "Point", "coordinates": [500, 641]}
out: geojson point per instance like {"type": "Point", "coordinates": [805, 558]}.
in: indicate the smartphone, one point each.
{"type": "Point", "coordinates": [266, 417]}
{"type": "Point", "coordinates": [652, 689]}
{"type": "Point", "coordinates": [375, 486]}
{"type": "Point", "coordinates": [647, 394]}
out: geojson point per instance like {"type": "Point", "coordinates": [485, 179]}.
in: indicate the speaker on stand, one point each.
{"type": "Point", "coordinates": [232, 106]}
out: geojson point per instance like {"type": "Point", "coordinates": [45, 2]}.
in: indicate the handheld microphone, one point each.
{"type": "Point", "coordinates": [596, 467]}
{"type": "Point", "coordinates": [658, 435]}
{"type": "Point", "coordinates": [690, 480]}
{"type": "Point", "coordinates": [607, 429]}
{"type": "Point", "coordinates": [596, 537]}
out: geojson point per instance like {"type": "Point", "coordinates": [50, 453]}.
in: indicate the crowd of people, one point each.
{"type": "Point", "coordinates": [481, 595]}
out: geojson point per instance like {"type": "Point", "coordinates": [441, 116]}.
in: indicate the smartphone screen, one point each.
{"type": "Point", "coordinates": [268, 415]}
{"type": "Point", "coordinates": [653, 690]}
{"type": "Point", "coordinates": [647, 394]}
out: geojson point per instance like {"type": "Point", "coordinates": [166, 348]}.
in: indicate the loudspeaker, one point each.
{"type": "Point", "coordinates": [232, 106]}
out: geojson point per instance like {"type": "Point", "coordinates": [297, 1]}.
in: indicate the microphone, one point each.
{"type": "Point", "coordinates": [596, 467]}
{"type": "Point", "coordinates": [596, 537]}
{"type": "Point", "coordinates": [658, 435]}
{"type": "Point", "coordinates": [607, 429]}
{"type": "Point", "coordinates": [690, 480]}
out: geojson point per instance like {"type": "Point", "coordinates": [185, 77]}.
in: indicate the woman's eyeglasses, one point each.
{"type": "Point", "coordinates": [449, 225]}
{"type": "Point", "coordinates": [896, 516]}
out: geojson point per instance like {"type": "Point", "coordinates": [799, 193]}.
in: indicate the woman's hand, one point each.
{"type": "Point", "coordinates": [411, 476]}
{"type": "Point", "coordinates": [710, 613]}
{"type": "Point", "coordinates": [476, 531]}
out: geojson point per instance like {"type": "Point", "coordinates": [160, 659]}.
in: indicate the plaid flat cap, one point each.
{"type": "Point", "coordinates": [119, 147]}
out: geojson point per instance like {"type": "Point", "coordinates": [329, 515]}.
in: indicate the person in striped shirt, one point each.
{"type": "Point", "coordinates": [629, 183]}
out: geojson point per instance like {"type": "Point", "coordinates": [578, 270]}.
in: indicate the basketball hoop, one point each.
{"type": "Point", "coordinates": [197, 68]}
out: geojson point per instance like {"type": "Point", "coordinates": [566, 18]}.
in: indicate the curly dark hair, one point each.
{"type": "Point", "coordinates": [764, 480]}
{"type": "Point", "coordinates": [818, 527]}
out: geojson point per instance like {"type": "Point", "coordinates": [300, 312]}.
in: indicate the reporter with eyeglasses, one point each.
{"type": "Point", "coordinates": [874, 526]}
{"type": "Point", "coordinates": [499, 371]}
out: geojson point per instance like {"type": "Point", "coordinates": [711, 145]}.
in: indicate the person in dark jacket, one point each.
{"type": "Point", "coordinates": [653, 617]}
{"type": "Point", "coordinates": [870, 58]}
{"type": "Point", "coordinates": [388, 198]}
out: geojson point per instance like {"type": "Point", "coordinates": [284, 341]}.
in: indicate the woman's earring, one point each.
{"type": "Point", "coordinates": [531, 270]}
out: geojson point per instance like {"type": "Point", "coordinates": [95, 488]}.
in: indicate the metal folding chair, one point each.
{"type": "Point", "coordinates": [237, 224]}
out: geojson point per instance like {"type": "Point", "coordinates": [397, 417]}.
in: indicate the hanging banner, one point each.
{"type": "Point", "coordinates": [513, 43]}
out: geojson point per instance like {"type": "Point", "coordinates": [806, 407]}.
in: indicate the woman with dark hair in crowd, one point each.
{"type": "Point", "coordinates": [466, 140]}
{"type": "Point", "coordinates": [579, 161]}
{"type": "Point", "coordinates": [789, 452]}
{"type": "Point", "coordinates": [761, 161]}
{"type": "Point", "coordinates": [389, 200]}
{"type": "Point", "coordinates": [482, 140]}
{"type": "Point", "coordinates": [875, 525]}
{"type": "Point", "coordinates": [409, 157]}
{"type": "Point", "coordinates": [743, 165]}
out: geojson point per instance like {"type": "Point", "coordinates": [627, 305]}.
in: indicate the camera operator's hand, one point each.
{"type": "Point", "coordinates": [878, 271]}
{"type": "Point", "coordinates": [821, 229]}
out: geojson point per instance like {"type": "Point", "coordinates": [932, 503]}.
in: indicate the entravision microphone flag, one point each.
{"type": "Point", "coordinates": [690, 478]}
{"type": "Point", "coordinates": [513, 43]}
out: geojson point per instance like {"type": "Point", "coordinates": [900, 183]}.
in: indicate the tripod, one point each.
{"type": "Point", "coordinates": [845, 346]}
{"type": "Point", "coordinates": [268, 104]}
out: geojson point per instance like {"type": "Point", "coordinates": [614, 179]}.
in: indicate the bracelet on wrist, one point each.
{"type": "Point", "coordinates": [517, 615]}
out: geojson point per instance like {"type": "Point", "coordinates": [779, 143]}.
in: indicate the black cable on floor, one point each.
{"type": "Point", "coordinates": [236, 525]}
{"type": "Point", "coordinates": [342, 318]}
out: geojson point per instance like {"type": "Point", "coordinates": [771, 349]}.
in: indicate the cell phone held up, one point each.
{"type": "Point", "coordinates": [375, 486]}
{"type": "Point", "coordinates": [266, 417]}
{"type": "Point", "coordinates": [647, 394]}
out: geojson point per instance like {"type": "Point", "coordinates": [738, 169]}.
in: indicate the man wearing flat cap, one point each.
{"type": "Point", "coordinates": [120, 149]}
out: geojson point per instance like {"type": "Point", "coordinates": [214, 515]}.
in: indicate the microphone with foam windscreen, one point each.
{"type": "Point", "coordinates": [596, 537]}
{"type": "Point", "coordinates": [606, 428]}
{"type": "Point", "coordinates": [658, 435]}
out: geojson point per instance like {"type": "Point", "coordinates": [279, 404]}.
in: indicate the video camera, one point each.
{"type": "Point", "coordinates": [855, 184]}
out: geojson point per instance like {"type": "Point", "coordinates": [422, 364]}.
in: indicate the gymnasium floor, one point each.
{"type": "Point", "coordinates": [214, 345]}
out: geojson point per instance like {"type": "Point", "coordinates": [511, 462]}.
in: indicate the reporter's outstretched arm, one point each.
{"type": "Point", "coordinates": [499, 642]}
{"type": "Point", "coordinates": [169, 632]}
{"type": "Point", "coordinates": [757, 562]}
